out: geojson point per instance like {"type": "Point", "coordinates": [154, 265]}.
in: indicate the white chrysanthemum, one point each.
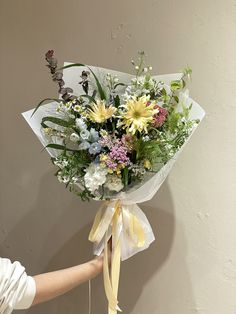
{"type": "Point", "coordinates": [95, 177]}
{"type": "Point", "coordinates": [114, 183]}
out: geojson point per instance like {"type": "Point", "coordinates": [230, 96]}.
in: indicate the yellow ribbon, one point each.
{"type": "Point", "coordinates": [109, 221]}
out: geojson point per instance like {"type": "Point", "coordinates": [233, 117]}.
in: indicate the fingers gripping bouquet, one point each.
{"type": "Point", "coordinates": [114, 137]}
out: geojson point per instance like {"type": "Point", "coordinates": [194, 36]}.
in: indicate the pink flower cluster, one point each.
{"type": "Point", "coordinates": [106, 141]}
{"type": "Point", "coordinates": [127, 140]}
{"type": "Point", "coordinates": [160, 117]}
{"type": "Point", "coordinates": [117, 157]}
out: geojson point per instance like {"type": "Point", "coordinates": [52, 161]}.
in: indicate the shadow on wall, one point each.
{"type": "Point", "coordinates": [160, 262]}
{"type": "Point", "coordinates": [59, 239]}
{"type": "Point", "coordinates": [141, 268]}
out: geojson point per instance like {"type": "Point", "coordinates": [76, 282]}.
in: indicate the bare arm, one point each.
{"type": "Point", "coordinates": [50, 285]}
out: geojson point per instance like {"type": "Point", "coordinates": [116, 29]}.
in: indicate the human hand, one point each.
{"type": "Point", "coordinates": [99, 260]}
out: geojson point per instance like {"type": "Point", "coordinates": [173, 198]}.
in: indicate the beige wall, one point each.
{"type": "Point", "coordinates": [191, 268]}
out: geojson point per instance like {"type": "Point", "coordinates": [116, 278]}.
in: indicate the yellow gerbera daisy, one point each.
{"type": "Point", "coordinates": [100, 112]}
{"type": "Point", "coordinates": [137, 114]}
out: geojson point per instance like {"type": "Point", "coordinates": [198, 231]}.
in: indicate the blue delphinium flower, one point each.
{"type": "Point", "coordinates": [84, 145]}
{"type": "Point", "coordinates": [94, 148]}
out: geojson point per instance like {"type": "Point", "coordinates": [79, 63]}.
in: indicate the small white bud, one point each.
{"type": "Point", "coordinates": [145, 70]}
{"type": "Point", "coordinates": [74, 137]}
{"type": "Point", "coordinates": [136, 67]}
{"type": "Point", "coordinates": [150, 68]}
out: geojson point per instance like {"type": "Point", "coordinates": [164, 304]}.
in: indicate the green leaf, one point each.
{"type": "Point", "coordinates": [60, 147]}
{"type": "Point", "coordinates": [176, 98]}
{"type": "Point", "coordinates": [119, 84]}
{"type": "Point", "coordinates": [163, 91]}
{"type": "Point", "coordinates": [90, 98]}
{"type": "Point", "coordinates": [71, 65]}
{"type": "Point", "coordinates": [99, 86]}
{"type": "Point", "coordinates": [176, 85]}
{"type": "Point", "coordinates": [173, 121]}
{"type": "Point", "coordinates": [55, 120]}
{"type": "Point", "coordinates": [126, 176]}
{"type": "Point", "coordinates": [42, 102]}
{"type": "Point", "coordinates": [187, 71]}
{"type": "Point", "coordinates": [186, 110]}
{"type": "Point", "coordinates": [117, 101]}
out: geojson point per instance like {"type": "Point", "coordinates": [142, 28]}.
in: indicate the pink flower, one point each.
{"type": "Point", "coordinates": [110, 163]}
{"type": "Point", "coordinates": [127, 140]}
{"type": "Point", "coordinates": [119, 153]}
{"type": "Point", "coordinates": [160, 117]}
{"type": "Point", "coordinates": [106, 141]}
{"type": "Point", "coordinates": [117, 157]}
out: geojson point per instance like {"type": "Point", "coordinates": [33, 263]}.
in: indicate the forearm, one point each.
{"type": "Point", "coordinates": [53, 284]}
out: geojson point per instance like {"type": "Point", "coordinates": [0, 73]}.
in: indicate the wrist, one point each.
{"type": "Point", "coordinates": [98, 263]}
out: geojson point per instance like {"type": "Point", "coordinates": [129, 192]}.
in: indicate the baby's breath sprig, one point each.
{"type": "Point", "coordinates": [140, 67]}
{"type": "Point", "coordinates": [112, 81]}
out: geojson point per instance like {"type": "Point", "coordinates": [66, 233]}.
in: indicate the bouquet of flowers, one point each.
{"type": "Point", "coordinates": [114, 137]}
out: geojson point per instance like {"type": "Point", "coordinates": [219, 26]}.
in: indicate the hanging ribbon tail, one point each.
{"type": "Point", "coordinates": [110, 293]}
{"type": "Point", "coordinates": [111, 281]}
{"type": "Point", "coordinates": [101, 223]}
{"type": "Point", "coordinates": [116, 254]}
{"type": "Point", "coordinates": [130, 232]}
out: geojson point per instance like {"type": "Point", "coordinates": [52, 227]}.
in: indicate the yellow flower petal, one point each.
{"type": "Point", "coordinates": [147, 164]}
{"type": "Point", "coordinates": [137, 115]}
{"type": "Point", "coordinates": [100, 112]}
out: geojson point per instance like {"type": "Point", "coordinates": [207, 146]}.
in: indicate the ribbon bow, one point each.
{"type": "Point", "coordinates": [130, 232]}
